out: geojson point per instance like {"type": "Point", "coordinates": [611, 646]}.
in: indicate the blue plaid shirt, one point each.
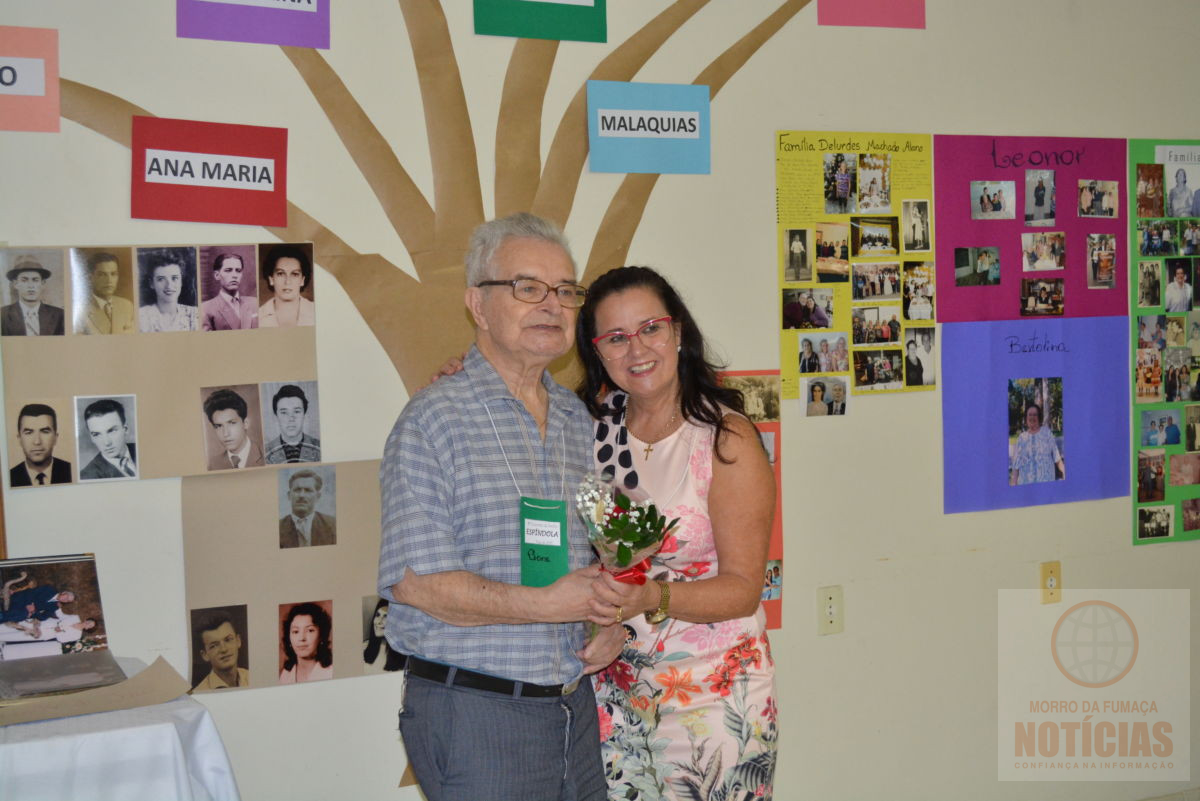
{"type": "Point", "coordinates": [449, 504]}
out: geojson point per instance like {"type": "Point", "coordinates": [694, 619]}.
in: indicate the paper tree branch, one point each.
{"type": "Point", "coordinates": [458, 199]}
{"type": "Point", "coordinates": [406, 208]}
{"type": "Point", "coordinates": [610, 248]}
{"type": "Point", "coordinates": [519, 128]}
{"type": "Point", "coordinates": [568, 151]}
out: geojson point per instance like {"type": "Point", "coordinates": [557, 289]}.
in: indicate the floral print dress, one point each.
{"type": "Point", "coordinates": [688, 710]}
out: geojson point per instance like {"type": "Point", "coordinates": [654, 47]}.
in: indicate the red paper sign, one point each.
{"type": "Point", "coordinates": [28, 79]}
{"type": "Point", "coordinates": [209, 172]}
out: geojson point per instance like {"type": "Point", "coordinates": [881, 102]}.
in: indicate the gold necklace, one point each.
{"type": "Point", "coordinates": [662, 433]}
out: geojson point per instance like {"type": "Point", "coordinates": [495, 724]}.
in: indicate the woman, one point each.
{"type": "Point", "coordinates": [816, 399]}
{"type": "Point", "coordinates": [809, 363]}
{"type": "Point", "coordinates": [378, 656]}
{"type": "Point", "coordinates": [1036, 455]}
{"type": "Point", "coordinates": [168, 290]}
{"type": "Point", "coordinates": [841, 356]}
{"type": "Point", "coordinates": [703, 668]}
{"type": "Point", "coordinates": [306, 644]}
{"type": "Point", "coordinates": [287, 270]}
{"type": "Point", "coordinates": [1179, 200]}
{"type": "Point", "coordinates": [825, 358]}
{"type": "Point", "coordinates": [914, 371]}
{"type": "Point", "coordinates": [814, 314]}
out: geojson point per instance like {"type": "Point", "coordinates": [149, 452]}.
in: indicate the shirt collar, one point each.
{"type": "Point", "coordinates": [242, 454]}
{"type": "Point", "coordinates": [489, 386]}
{"type": "Point", "coordinates": [27, 308]}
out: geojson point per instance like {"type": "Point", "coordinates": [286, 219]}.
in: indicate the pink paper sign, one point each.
{"type": "Point", "coordinates": [28, 79]}
{"type": "Point", "coordinates": [1030, 227]}
{"type": "Point", "coordinates": [872, 13]}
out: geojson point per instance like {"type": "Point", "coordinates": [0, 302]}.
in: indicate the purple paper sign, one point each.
{"type": "Point", "coordinates": [1079, 374]}
{"type": "Point", "coordinates": [300, 23]}
{"type": "Point", "coordinates": [1019, 215]}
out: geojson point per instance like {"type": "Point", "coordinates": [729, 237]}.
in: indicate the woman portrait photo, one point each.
{"type": "Point", "coordinates": [809, 361]}
{"type": "Point", "coordinates": [306, 644]}
{"type": "Point", "coordinates": [1179, 201]}
{"type": "Point", "coordinates": [816, 399]}
{"type": "Point", "coordinates": [377, 654]}
{"type": "Point", "coordinates": [287, 278]}
{"type": "Point", "coordinates": [167, 290]}
{"type": "Point", "coordinates": [1035, 431]}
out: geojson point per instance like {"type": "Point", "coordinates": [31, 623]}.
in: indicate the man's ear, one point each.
{"type": "Point", "coordinates": [474, 299]}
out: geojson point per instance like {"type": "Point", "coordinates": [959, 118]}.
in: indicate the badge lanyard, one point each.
{"type": "Point", "coordinates": [543, 521]}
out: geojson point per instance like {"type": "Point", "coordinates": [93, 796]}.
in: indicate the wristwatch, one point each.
{"type": "Point", "coordinates": [664, 601]}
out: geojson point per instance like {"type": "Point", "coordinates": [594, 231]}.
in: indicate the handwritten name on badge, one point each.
{"type": "Point", "coordinates": [541, 532]}
{"type": "Point", "coordinates": [649, 124]}
{"type": "Point", "coordinates": [208, 169]}
{"type": "Point", "coordinates": [290, 5]}
{"type": "Point", "coordinates": [22, 76]}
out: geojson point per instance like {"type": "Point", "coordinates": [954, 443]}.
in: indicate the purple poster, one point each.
{"type": "Point", "coordinates": [1030, 227]}
{"type": "Point", "coordinates": [300, 23]}
{"type": "Point", "coordinates": [1034, 412]}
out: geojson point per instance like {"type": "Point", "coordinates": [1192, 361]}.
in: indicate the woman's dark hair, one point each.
{"type": "Point", "coordinates": [812, 390]}
{"type": "Point", "coordinates": [324, 630]}
{"type": "Point", "coordinates": [297, 252]}
{"type": "Point", "coordinates": [150, 259]}
{"type": "Point", "coordinates": [1041, 416]}
{"type": "Point", "coordinates": [700, 395]}
{"type": "Point", "coordinates": [371, 650]}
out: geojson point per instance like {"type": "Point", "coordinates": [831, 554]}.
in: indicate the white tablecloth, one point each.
{"type": "Point", "coordinates": [156, 753]}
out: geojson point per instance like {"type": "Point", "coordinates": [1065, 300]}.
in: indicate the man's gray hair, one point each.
{"type": "Point", "coordinates": [487, 238]}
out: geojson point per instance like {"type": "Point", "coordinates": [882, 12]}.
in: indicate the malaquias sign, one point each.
{"type": "Point", "coordinates": [1096, 688]}
{"type": "Point", "coordinates": [648, 127]}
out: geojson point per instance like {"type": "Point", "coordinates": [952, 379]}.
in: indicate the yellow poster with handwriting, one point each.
{"type": "Point", "coordinates": [856, 272]}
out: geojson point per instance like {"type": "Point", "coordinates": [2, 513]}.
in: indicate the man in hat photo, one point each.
{"type": "Point", "coordinates": [28, 315]}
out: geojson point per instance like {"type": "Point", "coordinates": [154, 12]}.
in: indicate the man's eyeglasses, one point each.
{"type": "Point", "coordinates": [652, 333]}
{"type": "Point", "coordinates": [531, 290]}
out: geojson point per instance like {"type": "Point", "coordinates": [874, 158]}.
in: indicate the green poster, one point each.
{"type": "Point", "coordinates": [1164, 233]}
{"type": "Point", "coordinates": [574, 20]}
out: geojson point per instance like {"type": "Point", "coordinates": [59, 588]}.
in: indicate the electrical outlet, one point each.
{"type": "Point", "coordinates": [1051, 584]}
{"type": "Point", "coordinates": [830, 610]}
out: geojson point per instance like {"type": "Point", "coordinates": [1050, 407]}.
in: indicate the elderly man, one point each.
{"type": "Point", "coordinates": [106, 312]}
{"type": "Point", "coordinates": [27, 315]}
{"type": "Point", "coordinates": [483, 557]}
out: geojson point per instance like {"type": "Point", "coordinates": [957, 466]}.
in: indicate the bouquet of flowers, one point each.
{"type": "Point", "coordinates": [625, 532]}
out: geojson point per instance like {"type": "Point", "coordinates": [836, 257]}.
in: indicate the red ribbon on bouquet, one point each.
{"type": "Point", "coordinates": [634, 574]}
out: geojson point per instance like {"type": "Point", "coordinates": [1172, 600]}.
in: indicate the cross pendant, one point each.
{"type": "Point", "coordinates": [649, 448]}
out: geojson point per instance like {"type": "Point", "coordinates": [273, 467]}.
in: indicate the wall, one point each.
{"type": "Point", "coordinates": [903, 704]}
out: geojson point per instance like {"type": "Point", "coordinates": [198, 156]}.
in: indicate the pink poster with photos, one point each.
{"type": "Point", "coordinates": [1032, 227]}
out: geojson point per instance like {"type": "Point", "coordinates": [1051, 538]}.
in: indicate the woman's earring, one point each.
{"type": "Point", "coordinates": [679, 348]}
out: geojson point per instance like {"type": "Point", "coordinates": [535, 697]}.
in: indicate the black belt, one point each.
{"type": "Point", "coordinates": [461, 677]}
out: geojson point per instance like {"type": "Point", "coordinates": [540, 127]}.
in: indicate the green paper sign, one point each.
{"type": "Point", "coordinates": [572, 20]}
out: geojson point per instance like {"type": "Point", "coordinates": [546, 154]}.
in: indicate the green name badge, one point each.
{"type": "Point", "coordinates": [543, 541]}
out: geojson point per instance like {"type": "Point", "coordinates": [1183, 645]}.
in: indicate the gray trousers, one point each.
{"type": "Point", "coordinates": [474, 745]}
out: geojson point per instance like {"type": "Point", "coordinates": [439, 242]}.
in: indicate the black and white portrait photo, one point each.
{"type": "Point", "coordinates": [33, 293]}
